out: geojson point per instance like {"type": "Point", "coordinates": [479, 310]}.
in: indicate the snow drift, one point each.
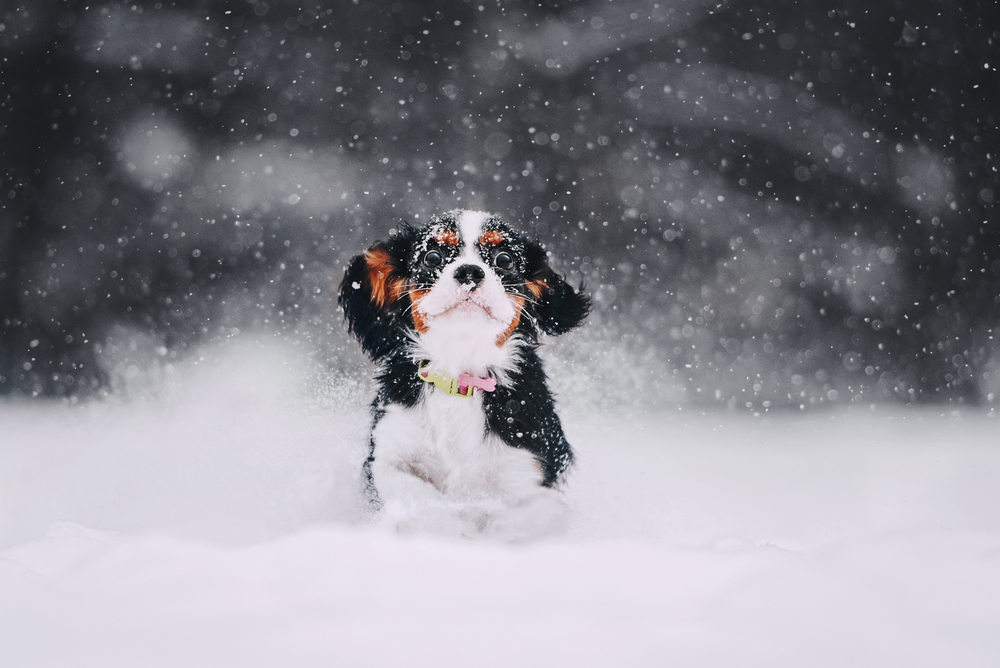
{"type": "Point", "coordinates": [215, 522]}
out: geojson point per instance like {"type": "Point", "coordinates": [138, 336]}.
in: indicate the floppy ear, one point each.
{"type": "Point", "coordinates": [557, 307]}
{"type": "Point", "coordinates": [373, 294]}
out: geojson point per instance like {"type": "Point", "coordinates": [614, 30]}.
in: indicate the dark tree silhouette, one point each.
{"type": "Point", "coordinates": [778, 203]}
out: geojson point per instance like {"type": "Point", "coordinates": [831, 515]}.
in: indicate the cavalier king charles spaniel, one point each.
{"type": "Point", "coordinates": [465, 439]}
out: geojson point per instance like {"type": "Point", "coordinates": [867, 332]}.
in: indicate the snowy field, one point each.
{"type": "Point", "coordinates": [216, 524]}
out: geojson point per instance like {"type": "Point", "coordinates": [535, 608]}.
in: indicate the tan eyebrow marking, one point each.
{"type": "Point", "coordinates": [446, 238]}
{"type": "Point", "coordinates": [491, 238]}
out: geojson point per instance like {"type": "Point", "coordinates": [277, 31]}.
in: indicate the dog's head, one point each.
{"type": "Point", "coordinates": [464, 270]}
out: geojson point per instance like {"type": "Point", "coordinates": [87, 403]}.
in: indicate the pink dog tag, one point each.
{"type": "Point", "coordinates": [484, 384]}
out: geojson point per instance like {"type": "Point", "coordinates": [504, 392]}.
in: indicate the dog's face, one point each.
{"type": "Point", "coordinates": [469, 267]}
{"type": "Point", "coordinates": [463, 272]}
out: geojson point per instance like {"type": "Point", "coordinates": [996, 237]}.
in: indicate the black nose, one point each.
{"type": "Point", "coordinates": [470, 274]}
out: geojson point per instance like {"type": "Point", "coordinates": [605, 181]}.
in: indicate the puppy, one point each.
{"type": "Point", "coordinates": [465, 439]}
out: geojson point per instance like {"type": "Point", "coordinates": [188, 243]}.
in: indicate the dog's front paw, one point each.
{"type": "Point", "coordinates": [441, 518]}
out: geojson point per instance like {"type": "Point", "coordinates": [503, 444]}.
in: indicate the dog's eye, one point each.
{"type": "Point", "coordinates": [432, 259]}
{"type": "Point", "coordinates": [503, 261]}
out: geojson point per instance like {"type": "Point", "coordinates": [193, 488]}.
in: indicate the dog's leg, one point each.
{"type": "Point", "coordinates": [525, 508]}
{"type": "Point", "coordinates": [528, 517]}
{"type": "Point", "coordinates": [410, 477]}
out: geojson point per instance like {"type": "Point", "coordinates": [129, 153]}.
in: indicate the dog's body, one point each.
{"type": "Point", "coordinates": [465, 437]}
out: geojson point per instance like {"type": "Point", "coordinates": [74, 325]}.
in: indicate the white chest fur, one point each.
{"type": "Point", "coordinates": [462, 342]}
{"type": "Point", "coordinates": [436, 469]}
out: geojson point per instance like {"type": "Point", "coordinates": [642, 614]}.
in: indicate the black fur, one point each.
{"type": "Point", "coordinates": [560, 308]}
{"type": "Point", "coordinates": [398, 384]}
{"type": "Point", "coordinates": [524, 416]}
{"type": "Point", "coordinates": [522, 413]}
{"type": "Point", "coordinates": [380, 331]}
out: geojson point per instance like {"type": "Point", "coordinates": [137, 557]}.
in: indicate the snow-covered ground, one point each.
{"type": "Point", "coordinates": [217, 525]}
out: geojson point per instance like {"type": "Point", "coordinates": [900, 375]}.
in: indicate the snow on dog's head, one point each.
{"type": "Point", "coordinates": [462, 285]}
{"type": "Point", "coordinates": [457, 271]}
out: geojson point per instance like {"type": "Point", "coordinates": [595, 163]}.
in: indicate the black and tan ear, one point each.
{"type": "Point", "coordinates": [556, 306]}
{"type": "Point", "coordinates": [373, 294]}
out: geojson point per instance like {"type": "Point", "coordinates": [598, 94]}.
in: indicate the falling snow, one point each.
{"type": "Point", "coordinates": [774, 207]}
{"type": "Point", "coordinates": [783, 402]}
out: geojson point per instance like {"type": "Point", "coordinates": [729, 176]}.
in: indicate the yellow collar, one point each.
{"type": "Point", "coordinates": [463, 386]}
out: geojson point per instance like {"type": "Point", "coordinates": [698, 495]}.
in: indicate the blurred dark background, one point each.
{"type": "Point", "coordinates": [775, 203]}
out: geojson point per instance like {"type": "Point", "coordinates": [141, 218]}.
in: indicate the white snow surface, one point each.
{"type": "Point", "coordinates": [217, 523]}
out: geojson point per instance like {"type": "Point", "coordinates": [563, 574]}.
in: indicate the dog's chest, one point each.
{"type": "Point", "coordinates": [444, 441]}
